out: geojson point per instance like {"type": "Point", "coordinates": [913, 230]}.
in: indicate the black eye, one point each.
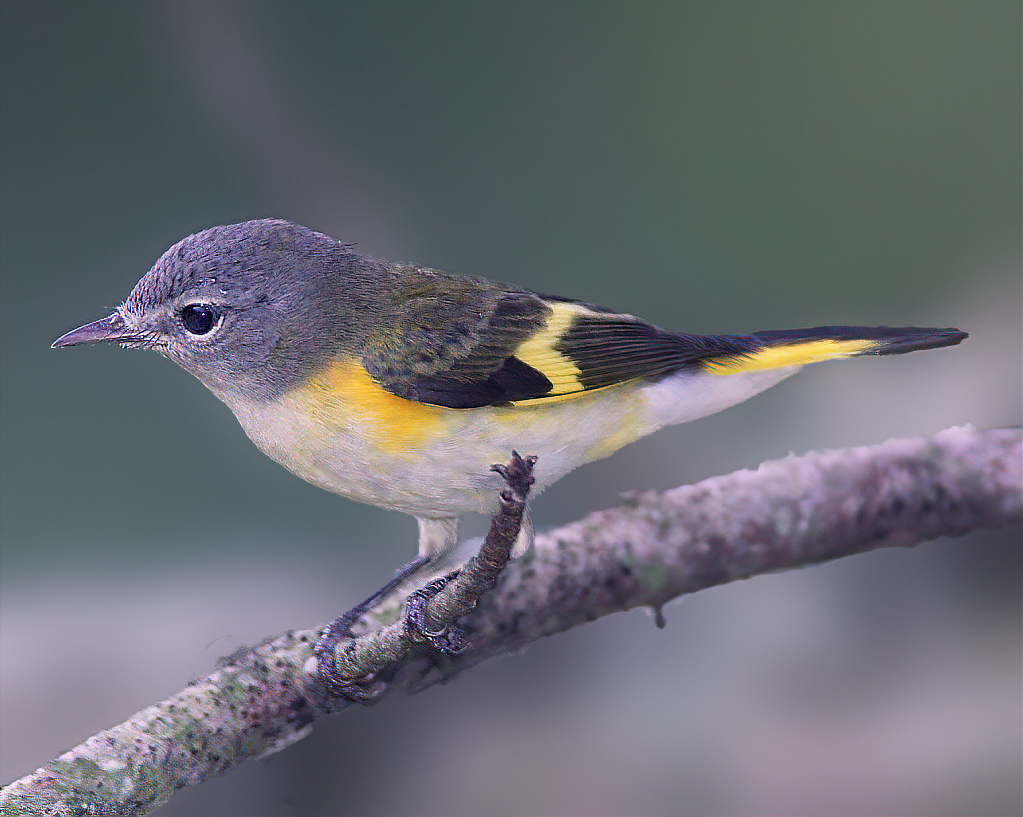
{"type": "Point", "coordinates": [198, 319]}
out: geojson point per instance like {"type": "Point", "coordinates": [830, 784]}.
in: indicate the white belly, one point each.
{"type": "Point", "coordinates": [447, 472]}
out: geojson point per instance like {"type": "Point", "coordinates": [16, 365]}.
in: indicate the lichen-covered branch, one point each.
{"type": "Point", "coordinates": [655, 547]}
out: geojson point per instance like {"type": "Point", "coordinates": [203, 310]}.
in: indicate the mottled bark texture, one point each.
{"type": "Point", "coordinates": [655, 547]}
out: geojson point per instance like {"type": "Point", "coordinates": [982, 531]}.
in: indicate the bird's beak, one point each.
{"type": "Point", "coordinates": [105, 330]}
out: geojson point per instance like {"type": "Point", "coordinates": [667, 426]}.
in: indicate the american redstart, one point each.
{"type": "Point", "coordinates": [399, 385]}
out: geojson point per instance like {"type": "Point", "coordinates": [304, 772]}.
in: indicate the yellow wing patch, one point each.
{"type": "Point", "coordinates": [539, 350]}
{"type": "Point", "coordinates": [789, 354]}
{"type": "Point", "coordinates": [343, 397]}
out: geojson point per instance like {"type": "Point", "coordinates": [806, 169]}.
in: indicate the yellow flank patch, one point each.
{"type": "Point", "coordinates": [538, 350]}
{"type": "Point", "coordinates": [344, 397]}
{"type": "Point", "coordinates": [790, 354]}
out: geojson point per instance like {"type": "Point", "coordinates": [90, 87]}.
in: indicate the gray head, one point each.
{"type": "Point", "coordinates": [248, 308]}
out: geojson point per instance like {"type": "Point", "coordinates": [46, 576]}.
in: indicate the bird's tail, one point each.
{"type": "Point", "coordinates": [796, 347]}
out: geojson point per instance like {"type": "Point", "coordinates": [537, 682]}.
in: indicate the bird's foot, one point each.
{"type": "Point", "coordinates": [448, 640]}
{"type": "Point", "coordinates": [354, 667]}
{"type": "Point", "coordinates": [362, 690]}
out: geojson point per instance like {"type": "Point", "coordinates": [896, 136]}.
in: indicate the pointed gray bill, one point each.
{"type": "Point", "coordinates": [105, 330]}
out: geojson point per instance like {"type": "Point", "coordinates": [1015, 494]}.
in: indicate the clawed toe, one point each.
{"type": "Point", "coordinates": [449, 640]}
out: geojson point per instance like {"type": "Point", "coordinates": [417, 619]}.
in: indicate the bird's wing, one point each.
{"type": "Point", "coordinates": [464, 343]}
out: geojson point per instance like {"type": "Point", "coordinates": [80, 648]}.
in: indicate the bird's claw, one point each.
{"type": "Point", "coordinates": [361, 691]}
{"type": "Point", "coordinates": [449, 640]}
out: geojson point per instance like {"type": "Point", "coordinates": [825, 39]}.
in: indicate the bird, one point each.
{"type": "Point", "coordinates": [399, 385]}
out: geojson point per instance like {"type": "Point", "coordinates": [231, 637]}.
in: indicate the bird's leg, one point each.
{"type": "Point", "coordinates": [356, 612]}
{"type": "Point", "coordinates": [341, 627]}
{"type": "Point", "coordinates": [446, 640]}
{"type": "Point", "coordinates": [365, 685]}
{"type": "Point", "coordinates": [450, 640]}
{"type": "Point", "coordinates": [435, 537]}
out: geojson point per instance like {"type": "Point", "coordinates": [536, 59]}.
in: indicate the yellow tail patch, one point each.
{"type": "Point", "coordinates": [789, 354]}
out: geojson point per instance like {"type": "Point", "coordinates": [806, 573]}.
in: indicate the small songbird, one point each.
{"type": "Point", "coordinates": [399, 385]}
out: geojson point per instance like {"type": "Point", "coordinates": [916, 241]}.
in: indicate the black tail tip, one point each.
{"type": "Point", "coordinates": [913, 338]}
{"type": "Point", "coordinates": [882, 340]}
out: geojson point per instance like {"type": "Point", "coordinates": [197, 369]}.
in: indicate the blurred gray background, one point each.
{"type": "Point", "coordinates": [719, 167]}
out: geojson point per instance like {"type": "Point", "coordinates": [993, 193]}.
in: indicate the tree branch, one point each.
{"type": "Point", "coordinates": [655, 547]}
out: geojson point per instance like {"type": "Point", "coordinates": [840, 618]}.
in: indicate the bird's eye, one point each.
{"type": "Point", "coordinates": [198, 319]}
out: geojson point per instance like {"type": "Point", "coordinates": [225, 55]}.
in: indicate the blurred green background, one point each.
{"type": "Point", "coordinates": [710, 166]}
